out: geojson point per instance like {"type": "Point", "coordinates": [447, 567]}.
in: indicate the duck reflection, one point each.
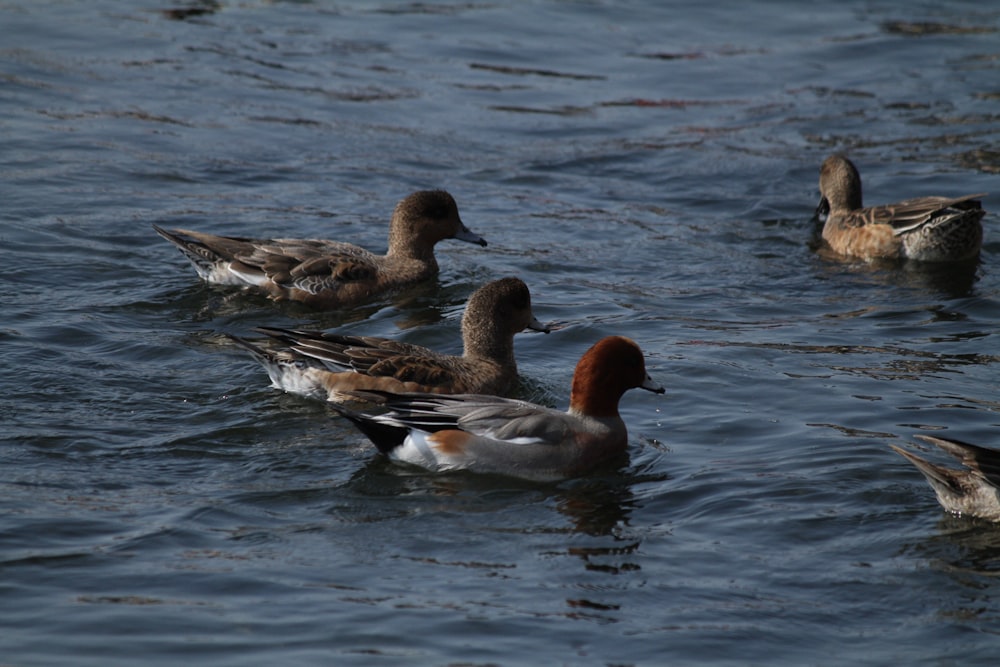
{"type": "Point", "coordinates": [192, 10]}
{"type": "Point", "coordinates": [591, 526]}
{"type": "Point", "coordinates": [950, 280]}
{"type": "Point", "coordinates": [966, 551]}
{"type": "Point", "coordinates": [965, 547]}
{"type": "Point", "coordinates": [595, 506]}
{"type": "Point", "coordinates": [416, 306]}
{"type": "Point", "coordinates": [887, 362]}
{"type": "Point", "coordinates": [598, 506]}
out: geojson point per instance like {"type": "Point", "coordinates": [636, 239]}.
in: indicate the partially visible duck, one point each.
{"type": "Point", "coordinates": [974, 491]}
{"type": "Point", "coordinates": [331, 274]}
{"type": "Point", "coordinates": [511, 437]}
{"type": "Point", "coordinates": [328, 365]}
{"type": "Point", "coordinates": [930, 229]}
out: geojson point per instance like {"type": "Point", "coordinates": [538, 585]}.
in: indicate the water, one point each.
{"type": "Point", "coordinates": [649, 169]}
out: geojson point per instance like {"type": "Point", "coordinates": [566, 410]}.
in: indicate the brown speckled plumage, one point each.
{"type": "Point", "coordinates": [330, 274]}
{"type": "Point", "coordinates": [328, 365]}
{"type": "Point", "coordinates": [932, 229]}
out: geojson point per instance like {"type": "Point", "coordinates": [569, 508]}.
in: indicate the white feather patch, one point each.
{"type": "Point", "coordinates": [219, 274]}
{"type": "Point", "coordinates": [241, 278]}
{"type": "Point", "coordinates": [418, 451]}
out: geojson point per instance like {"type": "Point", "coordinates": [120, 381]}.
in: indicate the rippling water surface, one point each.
{"type": "Point", "coordinates": [649, 169]}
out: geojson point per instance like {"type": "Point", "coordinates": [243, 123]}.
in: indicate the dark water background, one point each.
{"type": "Point", "coordinates": [649, 169]}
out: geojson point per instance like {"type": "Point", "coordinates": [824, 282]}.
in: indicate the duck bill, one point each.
{"type": "Point", "coordinates": [822, 210]}
{"type": "Point", "coordinates": [535, 325]}
{"type": "Point", "coordinates": [469, 236]}
{"type": "Point", "coordinates": [649, 385]}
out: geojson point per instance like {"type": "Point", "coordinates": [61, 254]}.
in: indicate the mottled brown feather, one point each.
{"type": "Point", "coordinates": [331, 273]}
{"type": "Point", "coordinates": [923, 228]}
{"type": "Point", "coordinates": [494, 314]}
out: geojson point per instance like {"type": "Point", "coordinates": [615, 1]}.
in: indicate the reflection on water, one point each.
{"type": "Point", "coordinates": [597, 506]}
{"type": "Point", "coordinates": [964, 546]}
{"type": "Point", "coordinates": [887, 363]}
{"type": "Point", "coordinates": [916, 29]}
{"type": "Point", "coordinates": [193, 9]}
{"type": "Point", "coordinates": [967, 552]}
{"type": "Point", "coordinates": [950, 280]}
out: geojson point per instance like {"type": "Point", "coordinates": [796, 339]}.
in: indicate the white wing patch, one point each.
{"type": "Point", "coordinates": [236, 277]}
{"type": "Point", "coordinates": [295, 379]}
{"type": "Point", "coordinates": [520, 440]}
{"type": "Point", "coordinates": [219, 274]}
{"type": "Point", "coordinates": [418, 451]}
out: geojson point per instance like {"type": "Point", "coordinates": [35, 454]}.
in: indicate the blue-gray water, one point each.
{"type": "Point", "coordinates": [649, 169]}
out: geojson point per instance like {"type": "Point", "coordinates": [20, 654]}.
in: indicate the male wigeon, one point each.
{"type": "Point", "coordinates": [975, 491]}
{"type": "Point", "coordinates": [511, 437]}
{"type": "Point", "coordinates": [327, 365]}
{"type": "Point", "coordinates": [331, 274]}
{"type": "Point", "coordinates": [930, 229]}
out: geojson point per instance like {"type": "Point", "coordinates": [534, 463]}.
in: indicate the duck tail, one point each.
{"type": "Point", "coordinates": [940, 478]}
{"type": "Point", "coordinates": [200, 255]}
{"type": "Point", "coordinates": [386, 437]}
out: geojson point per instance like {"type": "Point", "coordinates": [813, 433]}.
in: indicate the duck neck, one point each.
{"type": "Point", "coordinates": [594, 399]}
{"type": "Point", "coordinates": [408, 241]}
{"type": "Point", "coordinates": [482, 340]}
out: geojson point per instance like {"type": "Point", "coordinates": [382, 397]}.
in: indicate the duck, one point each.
{"type": "Point", "coordinates": [927, 229]}
{"type": "Point", "coordinates": [330, 274]}
{"type": "Point", "coordinates": [512, 437]}
{"type": "Point", "coordinates": [974, 491]}
{"type": "Point", "coordinates": [329, 365]}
